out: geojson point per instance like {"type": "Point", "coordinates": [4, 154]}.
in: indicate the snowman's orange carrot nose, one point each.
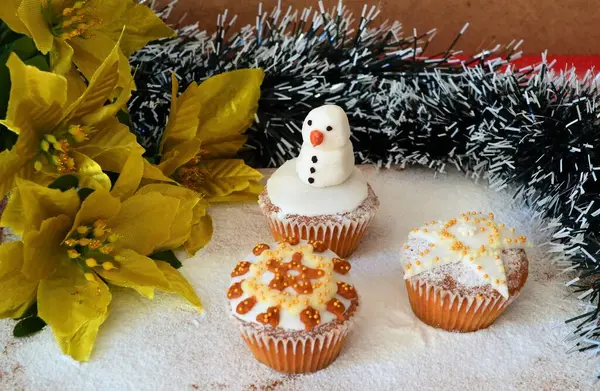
{"type": "Point", "coordinates": [316, 137]}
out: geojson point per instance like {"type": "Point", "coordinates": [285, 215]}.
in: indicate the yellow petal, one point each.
{"type": "Point", "coordinates": [103, 79]}
{"type": "Point", "coordinates": [75, 86]}
{"type": "Point", "coordinates": [238, 196]}
{"type": "Point", "coordinates": [152, 172]}
{"type": "Point", "coordinates": [89, 172]}
{"type": "Point", "coordinates": [142, 24]}
{"type": "Point", "coordinates": [37, 99]}
{"type": "Point", "coordinates": [179, 285]}
{"type": "Point", "coordinates": [228, 103]}
{"type": "Point", "coordinates": [67, 301]}
{"type": "Point", "coordinates": [224, 148]}
{"type": "Point", "coordinates": [226, 176]}
{"type": "Point", "coordinates": [8, 14]}
{"type": "Point", "coordinates": [17, 292]}
{"type": "Point", "coordinates": [30, 13]}
{"type": "Point", "coordinates": [249, 194]}
{"type": "Point", "coordinates": [90, 53]}
{"type": "Point", "coordinates": [183, 116]}
{"type": "Point", "coordinates": [135, 271]}
{"type": "Point", "coordinates": [80, 345]}
{"type": "Point", "coordinates": [10, 165]}
{"type": "Point", "coordinates": [130, 178]}
{"type": "Point", "coordinates": [100, 205]}
{"type": "Point", "coordinates": [178, 155]}
{"type": "Point", "coordinates": [182, 223]}
{"type": "Point", "coordinates": [30, 204]}
{"type": "Point", "coordinates": [110, 145]}
{"type": "Point", "coordinates": [144, 222]}
{"type": "Point", "coordinates": [61, 57]}
{"type": "Point", "coordinates": [43, 250]}
{"type": "Point", "coordinates": [200, 235]}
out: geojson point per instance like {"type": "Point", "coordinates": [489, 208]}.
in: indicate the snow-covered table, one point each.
{"type": "Point", "coordinates": [164, 345]}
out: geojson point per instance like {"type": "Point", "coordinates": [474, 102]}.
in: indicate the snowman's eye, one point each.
{"type": "Point", "coordinates": [309, 122]}
{"type": "Point", "coordinates": [329, 128]}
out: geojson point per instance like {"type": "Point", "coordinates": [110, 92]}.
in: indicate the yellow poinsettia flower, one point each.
{"type": "Point", "coordinates": [205, 130]}
{"type": "Point", "coordinates": [84, 31]}
{"type": "Point", "coordinates": [71, 252]}
{"type": "Point", "coordinates": [58, 135]}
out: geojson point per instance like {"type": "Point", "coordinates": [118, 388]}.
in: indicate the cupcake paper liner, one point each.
{"type": "Point", "coordinates": [452, 312]}
{"type": "Point", "coordinates": [306, 353]}
{"type": "Point", "coordinates": [342, 238]}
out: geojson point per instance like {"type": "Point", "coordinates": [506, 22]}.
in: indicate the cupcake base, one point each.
{"type": "Point", "coordinates": [296, 352]}
{"type": "Point", "coordinates": [341, 239]}
{"type": "Point", "coordinates": [441, 309]}
{"type": "Point", "coordinates": [341, 233]}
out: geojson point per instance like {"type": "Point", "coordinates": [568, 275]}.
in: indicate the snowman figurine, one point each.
{"type": "Point", "coordinates": [326, 157]}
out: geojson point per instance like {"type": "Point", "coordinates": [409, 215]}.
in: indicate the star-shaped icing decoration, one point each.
{"type": "Point", "coordinates": [473, 238]}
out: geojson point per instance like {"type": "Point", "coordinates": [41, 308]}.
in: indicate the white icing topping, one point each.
{"type": "Point", "coordinates": [326, 157]}
{"type": "Point", "coordinates": [255, 283]}
{"type": "Point", "coordinates": [293, 196]}
{"type": "Point", "coordinates": [474, 239]}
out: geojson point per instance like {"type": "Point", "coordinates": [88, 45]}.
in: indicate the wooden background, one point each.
{"type": "Point", "coordinates": [561, 26]}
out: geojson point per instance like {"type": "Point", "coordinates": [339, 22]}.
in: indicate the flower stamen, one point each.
{"type": "Point", "coordinates": [71, 22]}
{"type": "Point", "coordinates": [92, 247]}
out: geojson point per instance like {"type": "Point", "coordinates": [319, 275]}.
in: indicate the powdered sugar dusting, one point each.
{"type": "Point", "coordinates": [165, 345]}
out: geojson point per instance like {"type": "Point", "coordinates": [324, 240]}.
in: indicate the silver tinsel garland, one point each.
{"type": "Point", "coordinates": [532, 129]}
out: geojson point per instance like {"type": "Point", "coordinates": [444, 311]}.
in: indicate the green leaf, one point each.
{"type": "Point", "coordinates": [24, 47]}
{"type": "Point", "coordinates": [167, 256]}
{"type": "Point", "coordinates": [65, 183]}
{"type": "Point", "coordinates": [83, 193]}
{"type": "Point", "coordinates": [155, 159]}
{"type": "Point", "coordinates": [7, 138]}
{"type": "Point", "coordinates": [40, 61]}
{"type": "Point", "coordinates": [28, 326]}
{"type": "Point", "coordinates": [113, 176]}
{"type": "Point", "coordinates": [7, 35]}
{"type": "Point", "coordinates": [31, 311]}
{"type": "Point", "coordinates": [123, 117]}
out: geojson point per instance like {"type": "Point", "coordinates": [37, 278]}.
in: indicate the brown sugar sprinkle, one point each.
{"type": "Point", "coordinates": [235, 290]}
{"type": "Point", "coordinates": [310, 317]}
{"type": "Point", "coordinates": [271, 317]}
{"type": "Point", "coordinates": [241, 268]}
{"type": "Point", "coordinates": [300, 283]}
{"type": "Point", "coordinates": [337, 308]}
{"type": "Point", "coordinates": [346, 290]}
{"type": "Point", "coordinates": [341, 266]}
{"type": "Point", "coordinates": [259, 248]}
{"type": "Point", "coordinates": [318, 245]}
{"type": "Point", "coordinates": [245, 305]}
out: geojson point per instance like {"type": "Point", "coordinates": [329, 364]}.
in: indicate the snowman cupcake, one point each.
{"type": "Point", "coordinates": [321, 196]}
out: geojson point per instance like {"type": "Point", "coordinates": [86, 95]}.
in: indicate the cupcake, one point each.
{"type": "Point", "coordinates": [294, 305]}
{"type": "Point", "coordinates": [463, 273]}
{"type": "Point", "coordinates": [321, 195]}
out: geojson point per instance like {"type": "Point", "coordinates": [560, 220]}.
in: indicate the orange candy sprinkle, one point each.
{"type": "Point", "coordinates": [310, 317]}
{"type": "Point", "coordinates": [241, 268]}
{"type": "Point", "coordinates": [318, 245]}
{"type": "Point", "coordinates": [271, 317]}
{"type": "Point", "coordinates": [337, 308]}
{"type": "Point", "coordinates": [259, 248]}
{"type": "Point", "coordinates": [341, 266]}
{"type": "Point", "coordinates": [235, 291]}
{"type": "Point", "coordinates": [246, 305]}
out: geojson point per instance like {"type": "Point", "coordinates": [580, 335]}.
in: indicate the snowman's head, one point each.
{"type": "Point", "coordinates": [326, 128]}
